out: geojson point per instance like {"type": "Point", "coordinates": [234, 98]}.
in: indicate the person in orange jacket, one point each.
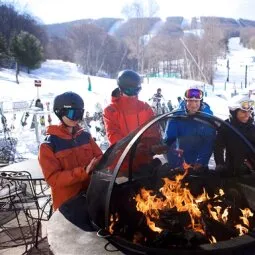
{"type": "Point", "coordinates": [69, 154]}
{"type": "Point", "coordinates": [126, 113]}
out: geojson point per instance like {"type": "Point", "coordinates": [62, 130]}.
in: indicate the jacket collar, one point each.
{"type": "Point", "coordinates": [62, 131]}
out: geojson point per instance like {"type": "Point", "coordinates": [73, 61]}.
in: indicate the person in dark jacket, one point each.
{"type": "Point", "coordinates": [169, 105]}
{"type": "Point", "coordinates": [69, 154]}
{"type": "Point", "coordinates": [231, 153]}
{"type": "Point", "coordinates": [39, 104]}
{"type": "Point", "coordinates": [190, 141]}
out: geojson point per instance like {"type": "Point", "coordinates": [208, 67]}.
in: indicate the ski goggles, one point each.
{"type": "Point", "coordinates": [73, 114]}
{"type": "Point", "coordinates": [195, 94]}
{"type": "Point", "coordinates": [131, 91]}
{"type": "Point", "coordinates": [247, 105]}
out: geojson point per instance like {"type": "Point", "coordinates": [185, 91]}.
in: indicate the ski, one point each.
{"type": "Point", "coordinates": [26, 115]}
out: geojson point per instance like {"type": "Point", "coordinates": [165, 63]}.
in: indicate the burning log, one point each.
{"type": "Point", "coordinates": [219, 230]}
{"type": "Point", "coordinates": [185, 239]}
{"type": "Point", "coordinates": [173, 220]}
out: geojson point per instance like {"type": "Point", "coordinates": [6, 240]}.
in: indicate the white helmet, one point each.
{"type": "Point", "coordinates": [241, 102]}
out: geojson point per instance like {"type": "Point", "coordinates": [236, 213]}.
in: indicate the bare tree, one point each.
{"type": "Point", "coordinates": [95, 50]}
{"type": "Point", "coordinates": [202, 50]}
{"type": "Point", "coordinates": [136, 41]}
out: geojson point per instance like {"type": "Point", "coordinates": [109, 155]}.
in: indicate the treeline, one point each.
{"type": "Point", "coordinates": [135, 47]}
{"type": "Point", "coordinates": [189, 52]}
{"type": "Point", "coordinates": [22, 40]}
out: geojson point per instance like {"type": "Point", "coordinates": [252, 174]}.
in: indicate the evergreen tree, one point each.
{"type": "Point", "coordinates": [3, 51]}
{"type": "Point", "coordinates": [27, 51]}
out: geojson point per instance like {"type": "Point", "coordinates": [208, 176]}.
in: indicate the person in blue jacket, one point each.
{"type": "Point", "coordinates": [188, 140]}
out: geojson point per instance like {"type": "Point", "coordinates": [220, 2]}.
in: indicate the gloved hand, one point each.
{"type": "Point", "coordinates": [91, 166]}
{"type": "Point", "coordinates": [221, 168]}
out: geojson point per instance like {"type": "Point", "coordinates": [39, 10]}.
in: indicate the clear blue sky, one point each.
{"type": "Point", "coordinates": [56, 11]}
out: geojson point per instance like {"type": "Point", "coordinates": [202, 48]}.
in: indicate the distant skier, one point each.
{"type": "Point", "coordinates": [88, 119]}
{"type": "Point", "coordinates": [169, 105]}
{"type": "Point", "coordinates": [38, 104]}
{"type": "Point", "coordinates": [156, 101]}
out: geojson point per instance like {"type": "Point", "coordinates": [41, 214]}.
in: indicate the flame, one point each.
{"type": "Point", "coordinates": [242, 230]}
{"type": "Point", "coordinates": [212, 239]}
{"type": "Point", "coordinates": [176, 195]}
{"type": "Point", "coordinates": [246, 214]}
{"type": "Point", "coordinates": [216, 214]}
{"type": "Point", "coordinates": [149, 205]}
{"type": "Point", "coordinates": [113, 220]}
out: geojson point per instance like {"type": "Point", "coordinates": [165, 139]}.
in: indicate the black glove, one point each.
{"type": "Point", "coordinates": [221, 168]}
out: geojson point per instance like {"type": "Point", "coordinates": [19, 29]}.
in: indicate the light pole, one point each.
{"type": "Point", "coordinates": [228, 70]}
{"type": "Point", "coordinates": [245, 78]}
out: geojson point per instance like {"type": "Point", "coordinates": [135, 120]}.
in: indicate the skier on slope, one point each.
{"type": "Point", "coordinates": [157, 99]}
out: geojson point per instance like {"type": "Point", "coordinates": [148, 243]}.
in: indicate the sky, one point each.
{"type": "Point", "coordinates": [57, 11]}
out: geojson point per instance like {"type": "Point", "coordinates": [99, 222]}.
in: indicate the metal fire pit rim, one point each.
{"type": "Point", "coordinates": [200, 115]}
{"type": "Point", "coordinates": [234, 244]}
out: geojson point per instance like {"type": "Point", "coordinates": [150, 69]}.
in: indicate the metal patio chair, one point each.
{"type": "Point", "coordinates": [26, 203]}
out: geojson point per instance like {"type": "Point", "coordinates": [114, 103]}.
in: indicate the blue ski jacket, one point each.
{"type": "Point", "coordinates": [194, 138]}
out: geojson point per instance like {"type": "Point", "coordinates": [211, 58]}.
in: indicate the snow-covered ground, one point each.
{"type": "Point", "coordinates": [238, 57]}
{"type": "Point", "coordinates": [58, 76]}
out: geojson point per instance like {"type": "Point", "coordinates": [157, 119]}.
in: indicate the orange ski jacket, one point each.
{"type": "Point", "coordinates": [124, 115]}
{"type": "Point", "coordinates": [63, 157]}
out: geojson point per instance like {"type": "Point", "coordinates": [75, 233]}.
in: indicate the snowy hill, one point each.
{"type": "Point", "coordinates": [58, 76]}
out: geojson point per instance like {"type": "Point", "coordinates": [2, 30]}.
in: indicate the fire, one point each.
{"type": "Point", "coordinates": [212, 239]}
{"type": "Point", "coordinates": [149, 207]}
{"type": "Point", "coordinates": [177, 196]}
{"type": "Point", "coordinates": [113, 220]}
{"type": "Point", "coordinates": [216, 214]}
{"type": "Point", "coordinates": [246, 212]}
{"type": "Point", "coordinates": [242, 230]}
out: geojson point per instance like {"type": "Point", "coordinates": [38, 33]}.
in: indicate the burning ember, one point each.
{"type": "Point", "coordinates": [175, 209]}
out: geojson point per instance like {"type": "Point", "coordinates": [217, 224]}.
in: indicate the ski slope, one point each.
{"type": "Point", "coordinates": [58, 76]}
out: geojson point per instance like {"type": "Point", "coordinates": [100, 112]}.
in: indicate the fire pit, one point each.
{"type": "Point", "coordinates": [145, 206]}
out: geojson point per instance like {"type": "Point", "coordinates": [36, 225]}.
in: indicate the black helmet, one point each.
{"type": "Point", "coordinates": [68, 100]}
{"type": "Point", "coordinates": [129, 82]}
{"type": "Point", "coordinates": [129, 79]}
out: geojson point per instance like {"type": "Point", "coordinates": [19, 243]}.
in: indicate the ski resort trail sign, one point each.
{"type": "Point", "coordinates": [38, 83]}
